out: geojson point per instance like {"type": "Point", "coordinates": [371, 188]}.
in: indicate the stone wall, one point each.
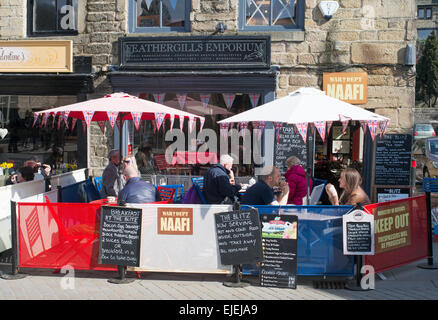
{"type": "Point", "coordinates": [364, 35]}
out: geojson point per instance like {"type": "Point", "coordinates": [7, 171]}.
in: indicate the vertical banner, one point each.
{"type": "Point", "coordinates": [280, 246]}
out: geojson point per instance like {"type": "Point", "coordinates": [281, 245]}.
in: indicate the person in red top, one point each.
{"type": "Point", "coordinates": [296, 179]}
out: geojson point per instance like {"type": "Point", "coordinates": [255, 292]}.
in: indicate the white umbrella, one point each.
{"type": "Point", "coordinates": [310, 106]}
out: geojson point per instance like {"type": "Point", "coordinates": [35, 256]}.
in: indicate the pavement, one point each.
{"type": "Point", "coordinates": [407, 282]}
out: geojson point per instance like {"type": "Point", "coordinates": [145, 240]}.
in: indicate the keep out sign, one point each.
{"type": "Point", "coordinates": [392, 227]}
{"type": "Point", "coordinates": [175, 221]}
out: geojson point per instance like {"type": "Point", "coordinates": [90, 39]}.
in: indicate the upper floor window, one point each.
{"type": "Point", "coordinates": [271, 14]}
{"type": "Point", "coordinates": [159, 15]}
{"type": "Point", "coordinates": [424, 13]}
{"type": "Point", "coordinates": [52, 17]}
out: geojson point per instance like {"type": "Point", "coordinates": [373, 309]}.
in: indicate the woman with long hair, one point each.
{"type": "Point", "coordinates": [350, 180]}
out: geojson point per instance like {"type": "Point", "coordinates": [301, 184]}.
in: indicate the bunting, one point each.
{"type": "Point", "coordinates": [254, 97]}
{"type": "Point", "coordinates": [173, 3]}
{"type": "Point", "coordinates": [159, 97]}
{"type": "Point", "coordinates": [159, 119]}
{"type": "Point", "coordinates": [172, 120]}
{"type": "Point", "coordinates": [88, 115]}
{"type": "Point", "coordinates": [383, 125]}
{"type": "Point", "coordinates": [60, 118]}
{"type": "Point", "coordinates": [278, 126]}
{"type": "Point", "coordinates": [205, 97]}
{"type": "Point", "coordinates": [43, 122]}
{"type": "Point", "coordinates": [364, 126]}
{"type": "Point", "coordinates": [302, 129]}
{"type": "Point", "coordinates": [112, 116]}
{"type": "Point", "coordinates": [229, 99]}
{"type": "Point", "coordinates": [202, 120]}
{"type": "Point", "coordinates": [136, 116]}
{"type": "Point", "coordinates": [53, 121]}
{"type": "Point", "coordinates": [35, 118]}
{"type": "Point", "coordinates": [223, 128]}
{"type": "Point", "coordinates": [191, 123]}
{"type": "Point", "coordinates": [181, 100]}
{"type": "Point", "coordinates": [66, 113]}
{"type": "Point", "coordinates": [244, 126]}
{"type": "Point", "coordinates": [320, 126]}
{"type": "Point", "coordinates": [101, 126]}
{"type": "Point", "coordinates": [181, 122]}
{"type": "Point", "coordinates": [73, 123]}
{"type": "Point", "coordinates": [148, 3]}
{"type": "Point", "coordinates": [329, 126]}
{"type": "Point", "coordinates": [372, 126]}
{"type": "Point", "coordinates": [262, 125]}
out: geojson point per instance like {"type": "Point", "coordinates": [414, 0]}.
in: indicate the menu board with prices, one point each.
{"type": "Point", "coordinates": [120, 233]}
{"type": "Point", "coordinates": [239, 237]}
{"type": "Point", "coordinates": [393, 160]}
{"type": "Point", "coordinates": [358, 233]}
{"type": "Point", "coordinates": [279, 238]}
{"type": "Point", "coordinates": [292, 144]}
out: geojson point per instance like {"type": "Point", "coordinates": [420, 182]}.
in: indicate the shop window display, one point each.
{"type": "Point", "coordinates": [25, 140]}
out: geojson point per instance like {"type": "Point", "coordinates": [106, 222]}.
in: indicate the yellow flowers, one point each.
{"type": "Point", "coordinates": [71, 166]}
{"type": "Point", "coordinates": [6, 165]}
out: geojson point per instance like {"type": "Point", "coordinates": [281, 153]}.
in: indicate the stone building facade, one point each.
{"type": "Point", "coordinates": [363, 35]}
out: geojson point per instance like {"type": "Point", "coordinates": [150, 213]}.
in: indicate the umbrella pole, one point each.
{"type": "Point", "coordinates": [119, 182]}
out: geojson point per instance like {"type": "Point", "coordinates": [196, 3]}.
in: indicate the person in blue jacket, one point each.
{"type": "Point", "coordinates": [137, 190]}
{"type": "Point", "coordinates": [217, 184]}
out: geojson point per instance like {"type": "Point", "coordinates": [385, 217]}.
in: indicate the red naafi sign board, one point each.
{"type": "Point", "coordinates": [400, 232]}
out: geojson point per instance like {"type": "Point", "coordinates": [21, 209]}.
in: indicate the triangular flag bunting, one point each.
{"type": "Point", "coordinates": [383, 126]}
{"type": "Point", "coordinates": [205, 97]}
{"type": "Point", "coordinates": [53, 120]}
{"type": "Point", "coordinates": [60, 118]}
{"type": "Point", "coordinates": [43, 122]}
{"type": "Point", "coordinates": [181, 99]}
{"type": "Point", "coordinates": [66, 113]}
{"type": "Point", "coordinates": [329, 126]}
{"type": "Point", "coordinates": [372, 126]}
{"type": "Point", "coordinates": [201, 120]}
{"type": "Point", "coordinates": [101, 126]}
{"type": "Point", "coordinates": [73, 123]}
{"type": "Point", "coordinates": [244, 126]}
{"type": "Point", "coordinates": [112, 116]}
{"type": "Point", "coordinates": [148, 3]}
{"type": "Point", "coordinates": [364, 126]}
{"type": "Point", "coordinates": [192, 121]}
{"type": "Point", "coordinates": [277, 126]}
{"type": "Point", "coordinates": [254, 97]}
{"type": "Point", "coordinates": [136, 117]}
{"type": "Point", "coordinates": [302, 129]}
{"type": "Point", "coordinates": [223, 128]}
{"type": "Point", "coordinates": [181, 122]}
{"type": "Point", "coordinates": [159, 97]}
{"type": "Point", "coordinates": [320, 126]}
{"type": "Point", "coordinates": [35, 118]}
{"type": "Point", "coordinates": [229, 99]}
{"type": "Point", "coordinates": [262, 125]}
{"type": "Point", "coordinates": [159, 118]}
{"type": "Point", "coordinates": [172, 120]}
{"type": "Point", "coordinates": [88, 116]}
{"type": "Point", "coordinates": [173, 3]}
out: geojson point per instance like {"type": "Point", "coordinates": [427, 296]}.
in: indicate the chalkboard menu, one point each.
{"type": "Point", "coordinates": [239, 237]}
{"type": "Point", "coordinates": [291, 144]}
{"type": "Point", "coordinates": [393, 160]}
{"type": "Point", "coordinates": [279, 237]}
{"type": "Point", "coordinates": [120, 230]}
{"type": "Point", "coordinates": [358, 233]}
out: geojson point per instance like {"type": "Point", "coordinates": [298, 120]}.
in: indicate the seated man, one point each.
{"type": "Point", "coordinates": [137, 190]}
{"type": "Point", "coordinates": [111, 182]}
{"type": "Point", "coordinates": [217, 185]}
{"type": "Point", "coordinates": [261, 193]}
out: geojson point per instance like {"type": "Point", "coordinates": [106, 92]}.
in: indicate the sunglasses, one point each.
{"type": "Point", "coordinates": [127, 161]}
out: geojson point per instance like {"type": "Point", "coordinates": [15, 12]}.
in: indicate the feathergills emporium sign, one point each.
{"type": "Point", "coordinates": [36, 56]}
{"type": "Point", "coordinates": [228, 52]}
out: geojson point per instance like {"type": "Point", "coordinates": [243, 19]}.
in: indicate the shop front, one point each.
{"type": "Point", "coordinates": [36, 75]}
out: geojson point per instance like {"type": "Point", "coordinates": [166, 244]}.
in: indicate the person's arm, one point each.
{"type": "Point", "coordinates": [332, 194]}
{"type": "Point", "coordinates": [225, 188]}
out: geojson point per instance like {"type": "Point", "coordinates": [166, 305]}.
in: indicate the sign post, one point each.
{"type": "Point", "coordinates": [239, 240]}
{"type": "Point", "coordinates": [120, 234]}
{"type": "Point", "coordinates": [358, 240]}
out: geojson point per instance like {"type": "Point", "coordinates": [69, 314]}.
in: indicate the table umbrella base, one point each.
{"type": "Point", "coordinates": [121, 281]}
{"type": "Point", "coordinates": [13, 276]}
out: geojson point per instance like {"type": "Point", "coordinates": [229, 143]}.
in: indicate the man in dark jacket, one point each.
{"type": "Point", "coordinates": [217, 185]}
{"type": "Point", "coordinates": [137, 190]}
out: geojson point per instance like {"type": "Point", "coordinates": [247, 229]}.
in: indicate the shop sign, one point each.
{"type": "Point", "coordinates": [36, 56]}
{"type": "Point", "coordinates": [351, 87]}
{"type": "Point", "coordinates": [175, 221]}
{"type": "Point", "coordinates": [392, 227]}
{"type": "Point", "coordinates": [196, 52]}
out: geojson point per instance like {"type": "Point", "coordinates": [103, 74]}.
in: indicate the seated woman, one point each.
{"type": "Point", "coordinates": [296, 179]}
{"type": "Point", "coordinates": [350, 181]}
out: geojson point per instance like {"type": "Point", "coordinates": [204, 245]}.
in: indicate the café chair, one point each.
{"type": "Point", "coordinates": [166, 194]}
{"type": "Point", "coordinates": [161, 163]}
{"type": "Point", "coordinates": [91, 192]}
{"type": "Point", "coordinates": [198, 184]}
{"type": "Point", "coordinates": [179, 191]}
{"type": "Point", "coordinates": [98, 184]}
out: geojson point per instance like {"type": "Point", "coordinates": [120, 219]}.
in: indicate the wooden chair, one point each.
{"type": "Point", "coordinates": [166, 194]}
{"type": "Point", "coordinates": [161, 163]}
